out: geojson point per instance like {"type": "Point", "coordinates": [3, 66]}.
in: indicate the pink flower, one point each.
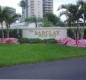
{"type": "Point", "coordinates": [71, 42]}
{"type": "Point", "coordinates": [9, 40]}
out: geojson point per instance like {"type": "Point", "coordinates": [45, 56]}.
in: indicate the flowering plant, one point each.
{"type": "Point", "coordinates": [9, 40]}
{"type": "Point", "coordinates": [71, 42]}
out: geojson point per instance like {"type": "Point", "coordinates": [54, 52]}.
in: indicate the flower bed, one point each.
{"type": "Point", "coordinates": [9, 40]}
{"type": "Point", "coordinates": [71, 42]}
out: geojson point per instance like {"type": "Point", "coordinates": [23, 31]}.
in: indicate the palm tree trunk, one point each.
{"type": "Point", "coordinates": [2, 33]}
{"type": "Point", "coordinates": [8, 32]}
{"type": "Point", "coordinates": [82, 31]}
{"type": "Point", "coordinates": [36, 24]}
{"type": "Point", "coordinates": [77, 33]}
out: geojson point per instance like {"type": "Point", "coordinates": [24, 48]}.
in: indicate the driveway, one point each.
{"type": "Point", "coordinates": [63, 69]}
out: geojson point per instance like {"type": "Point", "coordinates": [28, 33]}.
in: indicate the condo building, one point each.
{"type": "Point", "coordinates": [37, 8]}
{"type": "Point", "coordinates": [47, 6]}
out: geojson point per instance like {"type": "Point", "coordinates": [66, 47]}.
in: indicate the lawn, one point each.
{"type": "Point", "coordinates": [32, 53]}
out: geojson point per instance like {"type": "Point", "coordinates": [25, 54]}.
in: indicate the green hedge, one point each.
{"type": "Point", "coordinates": [26, 40]}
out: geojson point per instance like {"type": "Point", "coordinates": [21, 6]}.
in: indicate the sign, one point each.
{"type": "Point", "coordinates": [45, 33]}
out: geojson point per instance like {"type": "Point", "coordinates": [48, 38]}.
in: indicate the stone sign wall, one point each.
{"type": "Point", "coordinates": [45, 33]}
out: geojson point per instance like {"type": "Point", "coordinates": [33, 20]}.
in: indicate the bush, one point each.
{"type": "Point", "coordinates": [49, 41]}
{"type": "Point", "coordinates": [23, 40]}
{"type": "Point", "coordinates": [26, 40]}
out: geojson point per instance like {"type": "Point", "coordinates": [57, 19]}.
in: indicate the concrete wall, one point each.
{"type": "Point", "coordinates": [45, 32]}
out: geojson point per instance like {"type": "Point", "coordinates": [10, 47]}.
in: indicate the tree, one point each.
{"type": "Point", "coordinates": [3, 12]}
{"type": "Point", "coordinates": [83, 8]}
{"type": "Point", "coordinates": [23, 5]}
{"type": "Point", "coordinates": [82, 5]}
{"type": "Point", "coordinates": [46, 23]}
{"type": "Point", "coordinates": [33, 19]}
{"type": "Point", "coordinates": [9, 20]}
{"type": "Point", "coordinates": [73, 14]}
{"type": "Point", "coordinates": [52, 18]}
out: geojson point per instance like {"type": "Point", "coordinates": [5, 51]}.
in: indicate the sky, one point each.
{"type": "Point", "coordinates": [15, 4]}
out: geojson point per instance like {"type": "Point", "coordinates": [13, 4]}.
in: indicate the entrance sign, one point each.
{"type": "Point", "coordinates": [45, 33]}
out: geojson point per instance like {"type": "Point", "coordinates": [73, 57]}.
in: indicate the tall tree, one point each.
{"type": "Point", "coordinates": [3, 12]}
{"type": "Point", "coordinates": [34, 19]}
{"type": "Point", "coordinates": [73, 14]}
{"type": "Point", "coordinates": [23, 5]}
{"type": "Point", "coordinates": [83, 8]}
{"type": "Point", "coordinates": [9, 20]}
{"type": "Point", "coordinates": [52, 18]}
{"type": "Point", "coordinates": [82, 5]}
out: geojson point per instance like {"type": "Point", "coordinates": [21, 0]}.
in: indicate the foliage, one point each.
{"type": "Point", "coordinates": [46, 23]}
{"type": "Point", "coordinates": [33, 19]}
{"type": "Point", "coordinates": [52, 18]}
{"type": "Point", "coordinates": [10, 18]}
{"type": "Point", "coordinates": [49, 41]}
{"type": "Point", "coordinates": [15, 33]}
{"type": "Point", "coordinates": [22, 4]}
{"type": "Point", "coordinates": [2, 18]}
{"type": "Point", "coordinates": [26, 40]}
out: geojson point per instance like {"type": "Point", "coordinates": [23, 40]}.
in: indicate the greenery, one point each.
{"type": "Point", "coordinates": [22, 4]}
{"type": "Point", "coordinates": [53, 19]}
{"type": "Point", "coordinates": [46, 23]}
{"type": "Point", "coordinates": [14, 33]}
{"type": "Point", "coordinates": [8, 16]}
{"type": "Point", "coordinates": [33, 53]}
{"type": "Point", "coordinates": [75, 12]}
{"type": "Point", "coordinates": [26, 40]}
{"type": "Point", "coordinates": [33, 19]}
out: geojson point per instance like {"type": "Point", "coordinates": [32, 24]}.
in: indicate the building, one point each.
{"type": "Point", "coordinates": [37, 8]}
{"type": "Point", "coordinates": [33, 8]}
{"type": "Point", "coordinates": [47, 6]}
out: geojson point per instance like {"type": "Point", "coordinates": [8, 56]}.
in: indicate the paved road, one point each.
{"type": "Point", "coordinates": [65, 69]}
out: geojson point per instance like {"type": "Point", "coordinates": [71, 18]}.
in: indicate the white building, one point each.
{"type": "Point", "coordinates": [33, 8]}
{"type": "Point", "coordinates": [37, 8]}
{"type": "Point", "coordinates": [47, 6]}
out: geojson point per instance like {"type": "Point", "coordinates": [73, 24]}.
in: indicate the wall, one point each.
{"type": "Point", "coordinates": [45, 32]}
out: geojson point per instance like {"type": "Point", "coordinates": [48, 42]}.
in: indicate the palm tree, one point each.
{"type": "Point", "coordinates": [82, 5]}
{"type": "Point", "coordinates": [34, 19]}
{"type": "Point", "coordinates": [23, 5]}
{"type": "Point", "coordinates": [10, 18]}
{"type": "Point", "coordinates": [73, 14]}
{"type": "Point", "coordinates": [2, 18]}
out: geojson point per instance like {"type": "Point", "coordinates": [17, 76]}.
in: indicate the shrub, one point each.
{"type": "Point", "coordinates": [49, 41]}
{"type": "Point", "coordinates": [26, 40]}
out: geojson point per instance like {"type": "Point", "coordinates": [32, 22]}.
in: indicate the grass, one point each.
{"type": "Point", "coordinates": [32, 53]}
